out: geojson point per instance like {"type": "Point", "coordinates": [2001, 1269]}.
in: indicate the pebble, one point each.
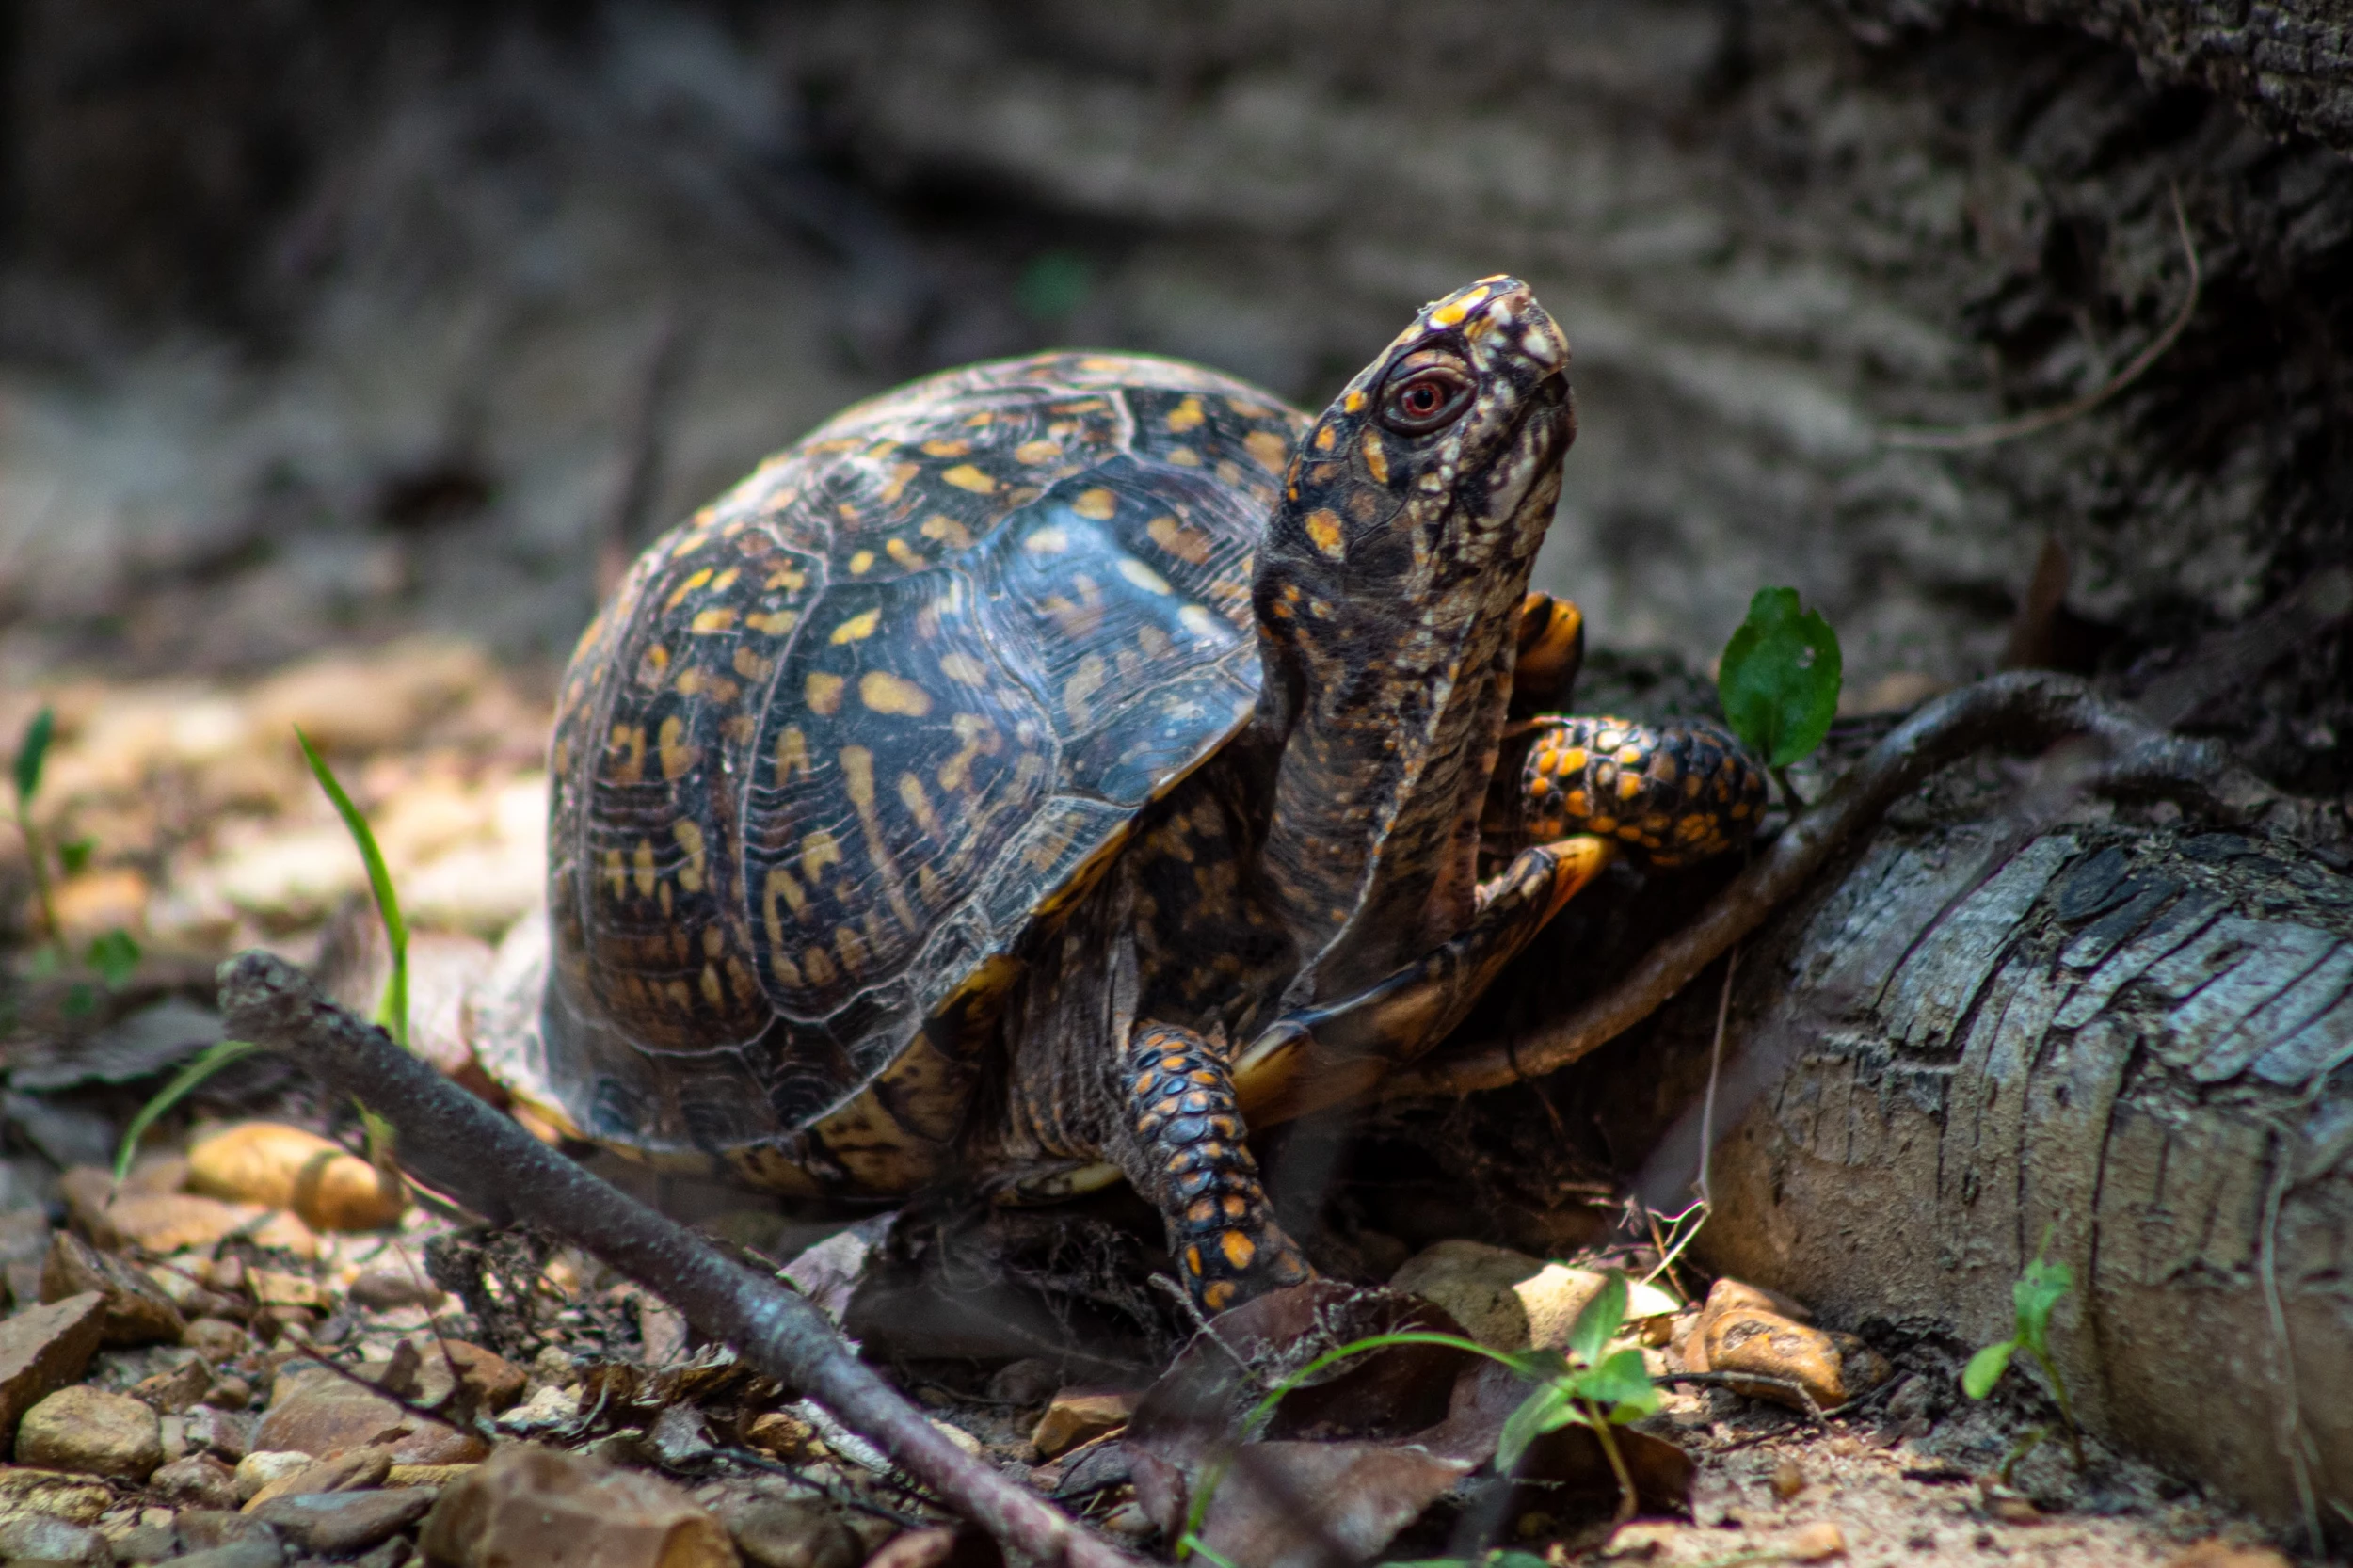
{"type": "Point", "coordinates": [39, 1538]}
{"type": "Point", "coordinates": [1079, 1416]}
{"type": "Point", "coordinates": [259, 1469]}
{"type": "Point", "coordinates": [2218, 1553]}
{"type": "Point", "coordinates": [338, 1521]}
{"type": "Point", "coordinates": [170, 1392]}
{"type": "Point", "coordinates": [216, 1340]}
{"type": "Point", "coordinates": [1815, 1541]}
{"type": "Point", "coordinates": [334, 1419]}
{"type": "Point", "coordinates": [1788, 1479]}
{"type": "Point", "coordinates": [261, 1551]}
{"type": "Point", "coordinates": [285, 1167]}
{"type": "Point", "coordinates": [44, 1348]}
{"type": "Point", "coordinates": [1475, 1284]}
{"type": "Point", "coordinates": [1830, 1367]}
{"type": "Point", "coordinates": [204, 1528]}
{"type": "Point", "coordinates": [91, 1431]}
{"type": "Point", "coordinates": [136, 1313]}
{"type": "Point", "coordinates": [527, 1507]}
{"type": "Point", "coordinates": [200, 1480]}
{"type": "Point", "coordinates": [209, 1429]}
{"type": "Point", "coordinates": [381, 1287]}
{"type": "Point", "coordinates": [78, 1499]}
{"type": "Point", "coordinates": [793, 1533]}
{"type": "Point", "coordinates": [173, 1222]}
{"type": "Point", "coordinates": [361, 1470]}
{"type": "Point", "coordinates": [550, 1407]}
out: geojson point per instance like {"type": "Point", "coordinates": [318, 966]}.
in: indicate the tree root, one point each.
{"type": "Point", "coordinates": [2020, 710]}
{"type": "Point", "coordinates": [454, 1141]}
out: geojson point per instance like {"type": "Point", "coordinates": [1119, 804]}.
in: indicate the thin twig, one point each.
{"type": "Point", "coordinates": [2021, 708]}
{"type": "Point", "coordinates": [1715, 1069]}
{"type": "Point", "coordinates": [461, 1145]}
{"type": "Point", "coordinates": [2291, 1417]}
{"type": "Point", "coordinates": [1971, 438]}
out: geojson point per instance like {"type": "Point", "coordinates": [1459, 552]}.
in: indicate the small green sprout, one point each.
{"type": "Point", "coordinates": [2035, 1295]}
{"type": "Point", "coordinates": [1779, 681]}
{"type": "Point", "coordinates": [1585, 1387]}
{"type": "Point", "coordinates": [31, 753]}
{"type": "Point", "coordinates": [391, 1011]}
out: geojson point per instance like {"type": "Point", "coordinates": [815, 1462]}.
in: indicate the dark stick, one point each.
{"type": "Point", "coordinates": [454, 1143]}
{"type": "Point", "coordinates": [2022, 709]}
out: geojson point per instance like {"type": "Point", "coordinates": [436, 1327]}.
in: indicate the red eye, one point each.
{"type": "Point", "coordinates": [1425, 399]}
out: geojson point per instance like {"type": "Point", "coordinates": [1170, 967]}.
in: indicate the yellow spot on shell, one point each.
{"type": "Point", "coordinates": [640, 861]}
{"type": "Point", "coordinates": [1037, 452]}
{"type": "Point", "coordinates": [711, 992]}
{"type": "Point", "coordinates": [857, 775]}
{"type": "Point", "coordinates": [820, 853]}
{"type": "Point", "coordinates": [1629, 786]}
{"type": "Point", "coordinates": [903, 553]}
{"type": "Point", "coordinates": [1217, 1295]}
{"type": "Point", "coordinates": [1198, 622]}
{"type": "Point", "coordinates": [773, 625]}
{"type": "Point", "coordinates": [818, 964]}
{"type": "Point", "coordinates": [1192, 1260]}
{"type": "Point", "coordinates": [823, 692]}
{"type": "Point", "coordinates": [900, 475]}
{"type": "Point", "coordinates": [1629, 755]}
{"type": "Point", "coordinates": [1142, 576]}
{"type": "Point", "coordinates": [946, 449]}
{"type": "Point", "coordinates": [791, 753]}
{"type": "Point", "coordinates": [1238, 1249]}
{"type": "Point", "coordinates": [963, 670]}
{"type": "Point", "coordinates": [852, 947]}
{"type": "Point", "coordinates": [693, 581]}
{"type": "Point", "coordinates": [1188, 545]}
{"type": "Point", "coordinates": [689, 834]}
{"type": "Point", "coordinates": [1046, 541]}
{"type": "Point", "coordinates": [1081, 686]}
{"type": "Point", "coordinates": [918, 803]}
{"type": "Point", "coordinates": [1270, 450]}
{"type": "Point", "coordinates": [1184, 456]}
{"type": "Point", "coordinates": [1323, 528]}
{"type": "Point", "coordinates": [861, 562]}
{"type": "Point", "coordinates": [1097, 505]}
{"type": "Point", "coordinates": [885, 692]}
{"type": "Point", "coordinates": [628, 739]}
{"type": "Point", "coordinates": [858, 626]}
{"type": "Point", "coordinates": [948, 530]}
{"type": "Point", "coordinates": [1376, 457]}
{"type": "Point", "coordinates": [678, 754]}
{"type": "Point", "coordinates": [751, 666]}
{"type": "Point", "coordinates": [725, 580]}
{"type": "Point", "coordinates": [1352, 402]}
{"type": "Point", "coordinates": [964, 476]}
{"type": "Point", "coordinates": [790, 579]}
{"type": "Point", "coordinates": [650, 669]}
{"type": "Point", "coordinates": [1326, 438]}
{"type": "Point", "coordinates": [616, 873]}
{"type": "Point", "coordinates": [1186, 415]}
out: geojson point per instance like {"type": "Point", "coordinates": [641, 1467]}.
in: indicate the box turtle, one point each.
{"type": "Point", "coordinates": [1043, 771]}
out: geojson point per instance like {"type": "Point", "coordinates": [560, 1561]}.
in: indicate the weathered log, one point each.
{"type": "Point", "coordinates": [2132, 1041]}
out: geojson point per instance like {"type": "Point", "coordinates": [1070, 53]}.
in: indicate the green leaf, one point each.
{"type": "Point", "coordinates": [2036, 1294]}
{"type": "Point", "coordinates": [393, 1011]}
{"type": "Point", "coordinates": [116, 957]}
{"type": "Point", "coordinates": [1622, 1382]}
{"type": "Point", "coordinates": [1190, 1546]}
{"type": "Point", "coordinates": [1548, 1407]}
{"type": "Point", "coordinates": [1779, 677]}
{"type": "Point", "coordinates": [1986, 1367]}
{"type": "Point", "coordinates": [183, 1082]}
{"type": "Point", "coordinates": [1599, 1321]}
{"type": "Point", "coordinates": [80, 1000]}
{"type": "Point", "coordinates": [74, 854]}
{"type": "Point", "coordinates": [31, 752]}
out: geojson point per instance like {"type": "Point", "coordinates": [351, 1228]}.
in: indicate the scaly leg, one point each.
{"type": "Point", "coordinates": [1185, 1152]}
{"type": "Point", "coordinates": [1319, 1056]}
{"type": "Point", "coordinates": [1671, 793]}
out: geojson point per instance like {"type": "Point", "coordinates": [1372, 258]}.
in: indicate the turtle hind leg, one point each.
{"type": "Point", "coordinates": [1183, 1149]}
{"type": "Point", "coordinates": [1671, 793]}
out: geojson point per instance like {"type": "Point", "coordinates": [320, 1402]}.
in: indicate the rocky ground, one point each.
{"type": "Point", "coordinates": [259, 1349]}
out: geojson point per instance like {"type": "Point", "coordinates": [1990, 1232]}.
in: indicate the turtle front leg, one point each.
{"type": "Point", "coordinates": [1185, 1151]}
{"type": "Point", "coordinates": [1671, 793]}
{"type": "Point", "coordinates": [1323, 1055]}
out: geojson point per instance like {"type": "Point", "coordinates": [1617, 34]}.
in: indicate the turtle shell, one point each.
{"type": "Point", "coordinates": [844, 736]}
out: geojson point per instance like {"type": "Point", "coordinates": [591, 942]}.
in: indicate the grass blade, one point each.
{"type": "Point", "coordinates": [393, 1011]}
{"type": "Point", "coordinates": [213, 1058]}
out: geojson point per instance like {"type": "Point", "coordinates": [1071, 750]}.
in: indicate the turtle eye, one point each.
{"type": "Point", "coordinates": [1425, 399]}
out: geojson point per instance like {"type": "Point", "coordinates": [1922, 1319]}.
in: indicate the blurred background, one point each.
{"type": "Point", "coordinates": [324, 329]}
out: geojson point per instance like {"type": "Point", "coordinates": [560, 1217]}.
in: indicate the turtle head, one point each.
{"type": "Point", "coordinates": [1388, 594]}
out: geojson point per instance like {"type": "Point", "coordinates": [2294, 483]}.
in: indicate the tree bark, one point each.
{"type": "Point", "coordinates": [2124, 1048]}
